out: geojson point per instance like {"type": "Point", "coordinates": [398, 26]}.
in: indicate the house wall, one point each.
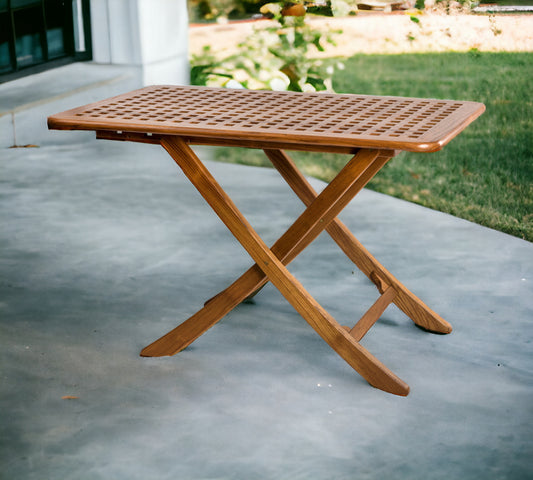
{"type": "Point", "coordinates": [149, 34]}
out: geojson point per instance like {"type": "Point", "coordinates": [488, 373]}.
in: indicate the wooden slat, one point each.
{"type": "Point", "coordinates": [219, 142]}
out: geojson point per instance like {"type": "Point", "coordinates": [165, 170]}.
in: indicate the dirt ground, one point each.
{"type": "Point", "coordinates": [392, 33]}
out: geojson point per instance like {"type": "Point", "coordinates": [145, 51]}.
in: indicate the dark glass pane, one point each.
{"type": "Point", "coordinates": [28, 36]}
{"type": "Point", "coordinates": [5, 34]}
{"type": "Point", "coordinates": [24, 3]}
{"type": "Point", "coordinates": [56, 25]}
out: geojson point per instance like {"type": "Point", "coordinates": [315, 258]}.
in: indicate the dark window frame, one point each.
{"type": "Point", "coordinates": [70, 55]}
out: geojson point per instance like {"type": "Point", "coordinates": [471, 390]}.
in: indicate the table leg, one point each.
{"type": "Point", "coordinates": [410, 304]}
{"type": "Point", "coordinates": [316, 217]}
{"type": "Point", "coordinates": [286, 248]}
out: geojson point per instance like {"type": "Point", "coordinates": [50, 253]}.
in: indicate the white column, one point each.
{"type": "Point", "coordinates": [149, 34]}
{"type": "Point", "coordinates": [163, 27]}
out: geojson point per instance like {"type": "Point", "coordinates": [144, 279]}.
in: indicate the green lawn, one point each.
{"type": "Point", "coordinates": [485, 175]}
{"type": "Point", "coordinates": [511, 2]}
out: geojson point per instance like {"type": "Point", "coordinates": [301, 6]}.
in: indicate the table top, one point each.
{"type": "Point", "coordinates": [324, 119]}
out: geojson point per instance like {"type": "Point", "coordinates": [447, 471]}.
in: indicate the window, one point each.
{"type": "Point", "coordinates": [40, 34]}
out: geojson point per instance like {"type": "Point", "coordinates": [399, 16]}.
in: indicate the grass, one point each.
{"type": "Point", "coordinates": [484, 175]}
{"type": "Point", "coordinates": [510, 2]}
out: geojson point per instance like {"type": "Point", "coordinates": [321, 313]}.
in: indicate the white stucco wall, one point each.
{"type": "Point", "coordinates": [149, 34]}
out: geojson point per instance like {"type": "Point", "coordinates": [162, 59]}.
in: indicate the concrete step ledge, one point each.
{"type": "Point", "coordinates": [26, 103]}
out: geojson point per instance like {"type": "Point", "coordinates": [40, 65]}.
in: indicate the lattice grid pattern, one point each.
{"type": "Point", "coordinates": [337, 118]}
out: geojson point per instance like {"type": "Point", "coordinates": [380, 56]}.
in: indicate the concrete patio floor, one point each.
{"type": "Point", "coordinates": [106, 246]}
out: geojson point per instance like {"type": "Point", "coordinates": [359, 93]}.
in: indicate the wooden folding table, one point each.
{"type": "Point", "coordinates": [370, 128]}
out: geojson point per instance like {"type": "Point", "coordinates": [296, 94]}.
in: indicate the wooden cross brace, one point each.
{"type": "Point", "coordinates": [270, 263]}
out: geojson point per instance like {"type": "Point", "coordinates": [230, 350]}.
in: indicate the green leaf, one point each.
{"type": "Point", "coordinates": [317, 82]}
{"type": "Point", "coordinates": [316, 43]}
{"type": "Point", "coordinates": [299, 40]}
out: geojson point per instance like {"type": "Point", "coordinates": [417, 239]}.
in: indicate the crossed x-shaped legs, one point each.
{"type": "Point", "coordinates": [270, 265]}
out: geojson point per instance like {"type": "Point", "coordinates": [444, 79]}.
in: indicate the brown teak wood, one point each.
{"type": "Point", "coordinates": [370, 128]}
{"type": "Point", "coordinates": [373, 314]}
{"type": "Point", "coordinates": [411, 305]}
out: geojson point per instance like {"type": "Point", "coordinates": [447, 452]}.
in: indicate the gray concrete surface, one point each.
{"type": "Point", "coordinates": [105, 246]}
